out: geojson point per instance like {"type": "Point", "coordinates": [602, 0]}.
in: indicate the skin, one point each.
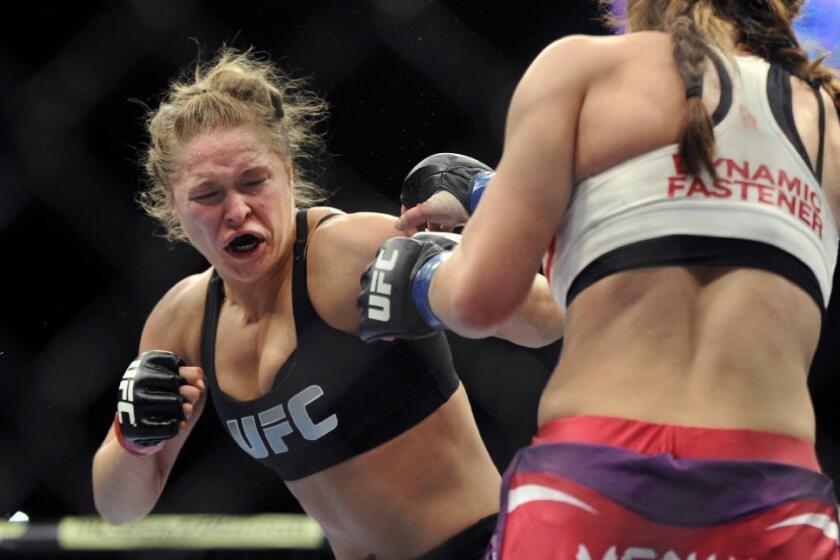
{"type": "Point", "coordinates": [700, 346]}
{"type": "Point", "coordinates": [384, 503]}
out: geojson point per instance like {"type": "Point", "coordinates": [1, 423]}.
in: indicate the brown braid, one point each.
{"type": "Point", "coordinates": [697, 142]}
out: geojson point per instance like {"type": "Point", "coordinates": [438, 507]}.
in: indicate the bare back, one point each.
{"type": "Point", "coordinates": [706, 346]}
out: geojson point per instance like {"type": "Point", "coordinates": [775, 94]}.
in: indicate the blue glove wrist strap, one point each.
{"type": "Point", "coordinates": [420, 290]}
{"type": "Point", "coordinates": [479, 182]}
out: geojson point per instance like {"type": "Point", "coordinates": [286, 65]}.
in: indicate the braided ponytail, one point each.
{"type": "Point", "coordinates": [697, 142]}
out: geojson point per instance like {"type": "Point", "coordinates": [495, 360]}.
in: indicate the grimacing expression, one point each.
{"type": "Point", "coordinates": [232, 192]}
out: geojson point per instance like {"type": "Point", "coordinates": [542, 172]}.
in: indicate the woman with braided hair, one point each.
{"type": "Point", "coordinates": [685, 178]}
{"type": "Point", "coordinates": [376, 441]}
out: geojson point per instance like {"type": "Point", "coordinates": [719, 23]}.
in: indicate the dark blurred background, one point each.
{"type": "Point", "coordinates": [81, 266]}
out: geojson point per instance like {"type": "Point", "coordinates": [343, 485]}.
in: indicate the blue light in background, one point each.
{"type": "Point", "coordinates": [819, 25]}
{"type": "Point", "coordinates": [619, 11]}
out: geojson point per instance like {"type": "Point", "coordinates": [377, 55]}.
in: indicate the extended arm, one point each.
{"type": "Point", "coordinates": [341, 250]}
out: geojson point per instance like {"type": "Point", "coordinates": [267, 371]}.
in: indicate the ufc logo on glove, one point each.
{"type": "Point", "coordinates": [379, 304]}
{"type": "Point", "coordinates": [149, 404]}
{"type": "Point", "coordinates": [125, 404]}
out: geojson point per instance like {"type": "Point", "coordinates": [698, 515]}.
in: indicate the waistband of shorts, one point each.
{"type": "Point", "coordinates": [687, 442]}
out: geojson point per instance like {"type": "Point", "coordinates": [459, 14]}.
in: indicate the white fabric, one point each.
{"type": "Point", "coordinates": [534, 492]}
{"type": "Point", "coordinates": [817, 520]}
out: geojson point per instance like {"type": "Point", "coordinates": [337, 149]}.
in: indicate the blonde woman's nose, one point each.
{"type": "Point", "coordinates": [236, 210]}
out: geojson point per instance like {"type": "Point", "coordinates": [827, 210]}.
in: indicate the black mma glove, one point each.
{"type": "Point", "coordinates": [394, 298]}
{"type": "Point", "coordinates": [149, 406]}
{"type": "Point", "coordinates": [444, 240]}
{"type": "Point", "coordinates": [462, 176]}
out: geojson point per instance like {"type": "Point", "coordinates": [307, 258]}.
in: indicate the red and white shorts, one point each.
{"type": "Point", "coordinates": [596, 488]}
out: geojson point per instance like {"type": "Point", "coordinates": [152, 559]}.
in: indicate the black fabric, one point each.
{"type": "Point", "coordinates": [469, 544]}
{"type": "Point", "coordinates": [351, 395]}
{"type": "Point", "coordinates": [453, 173]}
{"type": "Point", "coordinates": [780, 97]}
{"type": "Point", "coordinates": [725, 102]}
{"type": "Point", "coordinates": [691, 250]}
{"type": "Point", "coordinates": [322, 220]}
{"type": "Point", "coordinates": [821, 149]}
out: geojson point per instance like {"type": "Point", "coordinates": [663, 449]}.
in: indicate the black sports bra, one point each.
{"type": "Point", "coordinates": [336, 396]}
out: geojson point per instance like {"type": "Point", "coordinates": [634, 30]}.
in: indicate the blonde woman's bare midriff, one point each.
{"type": "Point", "coordinates": [695, 346]}
{"type": "Point", "coordinates": [408, 495]}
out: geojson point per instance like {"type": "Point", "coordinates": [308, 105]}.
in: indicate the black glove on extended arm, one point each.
{"type": "Point", "coordinates": [454, 173]}
{"type": "Point", "coordinates": [386, 304]}
{"type": "Point", "coordinates": [149, 406]}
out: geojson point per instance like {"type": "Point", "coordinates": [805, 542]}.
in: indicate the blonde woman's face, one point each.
{"type": "Point", "coordinates": [232, 192]}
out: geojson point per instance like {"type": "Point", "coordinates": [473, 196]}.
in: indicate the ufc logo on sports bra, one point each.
{"type": "Point", "coordinates": [642, 553]}
{"type": "Point", "coordinates": [379, 306]}
{"type": "Point", "coordinates": [271, 425]}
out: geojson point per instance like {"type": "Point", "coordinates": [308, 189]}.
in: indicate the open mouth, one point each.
{"type": "Point", "coordinates": [244, 245]}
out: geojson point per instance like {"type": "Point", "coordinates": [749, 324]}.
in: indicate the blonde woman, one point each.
{"type": "Point", "coordinates": [377, 442]}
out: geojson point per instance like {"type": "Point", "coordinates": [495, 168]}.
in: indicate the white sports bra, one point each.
{"type": "Point", "coordinates": [764, 210]}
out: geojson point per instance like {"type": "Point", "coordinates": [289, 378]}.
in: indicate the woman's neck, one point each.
{"type": "Point", "coordinates": [261, 297]}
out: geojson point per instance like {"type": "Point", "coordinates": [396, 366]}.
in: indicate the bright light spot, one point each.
{"type": "Point", "coordinates": [19, 517]}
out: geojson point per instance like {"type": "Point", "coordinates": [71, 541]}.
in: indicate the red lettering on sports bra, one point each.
{"type": "Point", "coordinates": [762, 173]}
{"type": "Point", "coordinates": [741, 180]}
